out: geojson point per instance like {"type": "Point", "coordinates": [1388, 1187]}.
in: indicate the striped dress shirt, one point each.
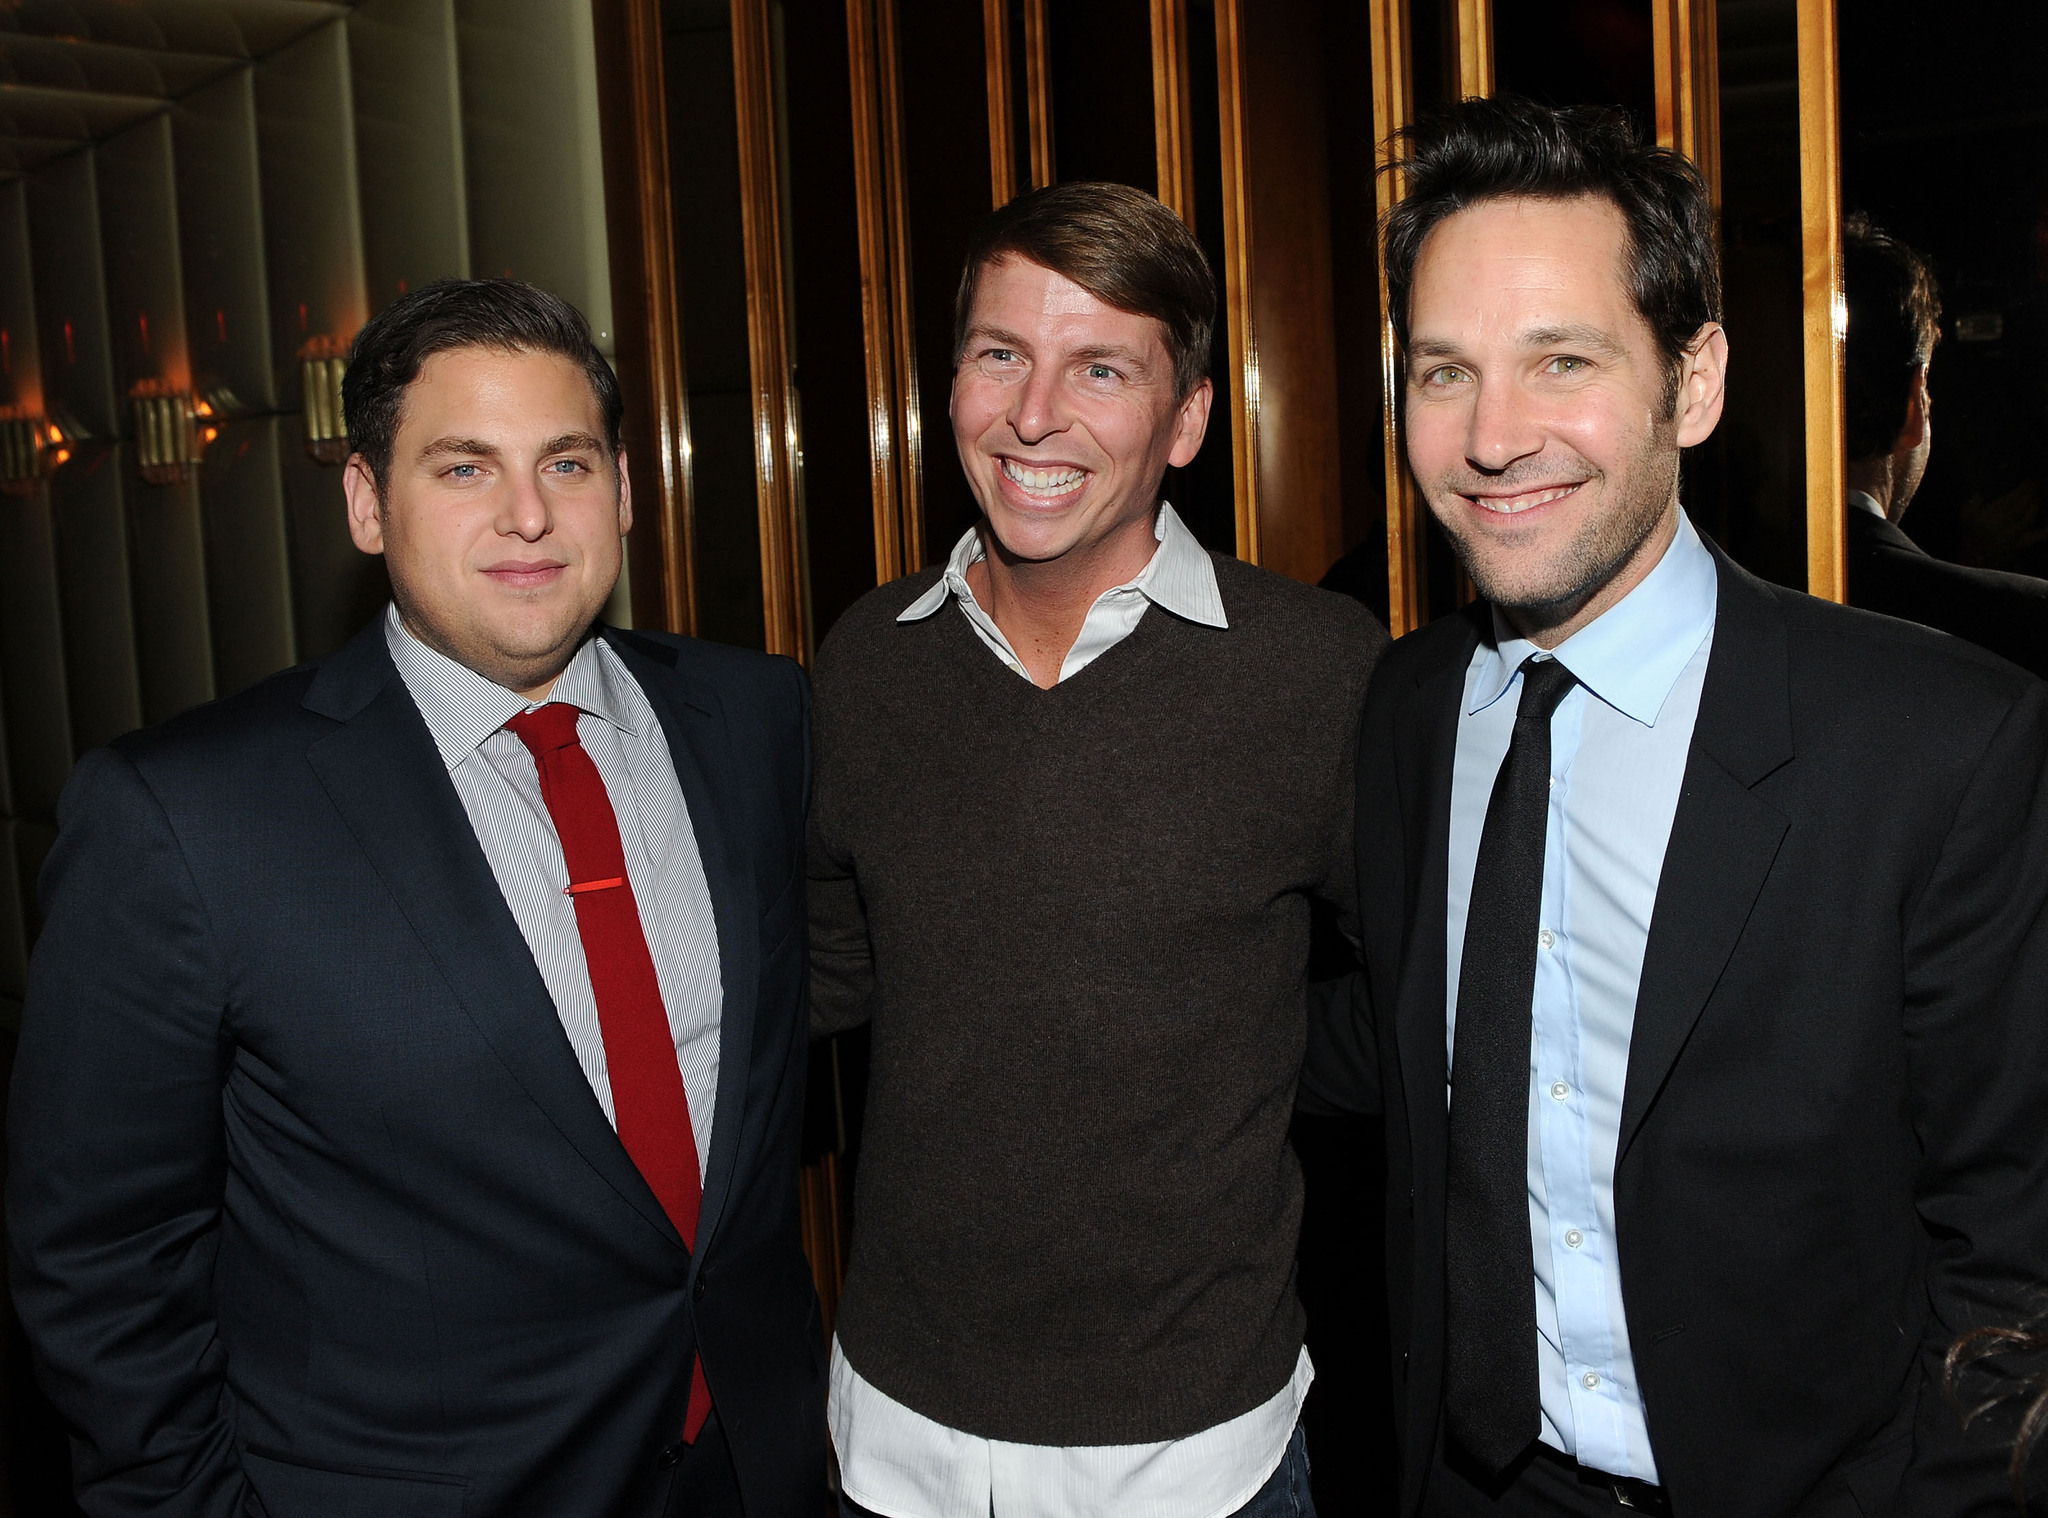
{"type": "Point", "coordinates": [494, 775]}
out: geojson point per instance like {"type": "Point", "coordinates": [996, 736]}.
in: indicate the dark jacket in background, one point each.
{"type": "Point", "coordinates": [311, 1209]}
{"type": "Point", "coordinates": [1890, 573]}
{"type": "Point", "coordinates": [1833, 1155]}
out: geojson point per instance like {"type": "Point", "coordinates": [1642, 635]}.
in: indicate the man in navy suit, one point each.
{"type": "Point", "coordinates": [406, 1115]}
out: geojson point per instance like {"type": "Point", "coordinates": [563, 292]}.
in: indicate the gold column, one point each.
{"type": "Point", "coordinates": [1687, 47]}
{"type": "Point", "coordinates": [1038, 87]}
{"type": "Point", "coordinates": [1172, 130]}
{"type": "Point", "coordinates": [1820, 226]}
{"type": "Point", "coordinates": [895, 444]}
{"type": "Point", "coordinates": [1473, 20]}
{"type": "Point", "coordinates": [1237, 284]}
{"type": "Point", "coordinates": [1393, 107]}
{"type": "Point", "coordinates": [783, 602]}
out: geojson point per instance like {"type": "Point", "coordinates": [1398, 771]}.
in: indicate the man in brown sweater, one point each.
{"type": "Point", "coordinates": [1074, 792]}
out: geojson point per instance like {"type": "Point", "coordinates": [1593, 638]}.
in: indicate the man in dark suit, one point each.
{"type": "Point", "coordinates": [406, 1113]}
{"type": "Point", "coordinates": [1894, 322]}
{"type": "Point", "coordinates": [1716, 1089]}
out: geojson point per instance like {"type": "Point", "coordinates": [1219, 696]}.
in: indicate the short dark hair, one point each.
{"type": "Point", "coordinates": [506, 314]}
{"type": "Point", "coordinates": [1120, 245]}
{"type": "Point", "coordinates": [1894, 321]}
{"type": "Point", "coordinates": [1507, 147]}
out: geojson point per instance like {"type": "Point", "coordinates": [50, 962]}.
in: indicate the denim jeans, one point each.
{"type": "Point", "coordinates": [1285, 1494]}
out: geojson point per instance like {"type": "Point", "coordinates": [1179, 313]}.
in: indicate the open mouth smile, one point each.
{"type": "Point", "coordinates": [1047, 485]}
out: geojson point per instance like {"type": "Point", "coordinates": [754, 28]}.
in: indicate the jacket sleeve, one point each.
{"type": "Point", "coordinates": [117, 1158]}
{"type": "Point", "coordinates": [1341, 1069]}
{"type": "Point", "coordinates": [842, 959]}
{"type": "Point", "coordinates": [1976, 1041]}
{"type": "Point", "coordinates": [1341, 1072]}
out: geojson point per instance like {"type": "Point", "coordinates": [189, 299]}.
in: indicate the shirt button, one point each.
{"type": "Point", "coordinates": [1546, 938]}
{"type": "Point", "coordinates": [1590, 1380]}
{"type": "Point", "coordinates": [1560, 1090]}
{"type": "Point", "coordinates": [1573, 1238]}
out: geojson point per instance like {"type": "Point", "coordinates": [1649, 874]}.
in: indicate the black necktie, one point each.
{"type": "Point", "coordinates": [1490, 1390]}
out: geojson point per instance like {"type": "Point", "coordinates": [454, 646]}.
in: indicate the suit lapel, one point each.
{"type": "Point", "coordinates": [694, 721]}
{"type": "Point", "coordinates": [386, 778]}
{"type": "Point", "coordinates": [1724, 837]}
{"type": "Point", "coordinates": [1425, 766]}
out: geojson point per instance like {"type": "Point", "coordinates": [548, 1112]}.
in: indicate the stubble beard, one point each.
{"type": "Point", "coordinates": [1549, 594]}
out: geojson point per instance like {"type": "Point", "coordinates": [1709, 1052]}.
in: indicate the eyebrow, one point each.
{"type": "Point", "coordinates": [997, 335]}
{"type": "Point", "coordinates": [457, 447]}
{"type": "Point", "coordinates": [476, 448]}
{"type": "Point", "coordinates": [1099, 351]}
{"type": "Point", "coordinates": [1575, 335]}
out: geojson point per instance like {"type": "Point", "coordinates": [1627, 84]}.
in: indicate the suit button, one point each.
{"type": "Point", "coordinates": [671, 1457]}
{"type": "Point", "coordinates": [697, 1291]}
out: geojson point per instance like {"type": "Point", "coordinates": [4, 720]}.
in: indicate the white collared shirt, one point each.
{"type": "Point", "coordinates": [1619, 741]}
{"type": "Point", "coordinates": [494, 775]}
{"type": "Point", "coordinates": [895, 1461]}
{"type": "Point", "coordinates": [1178, 577]}
{"type": "Point", "coordinates": [1858, 500]}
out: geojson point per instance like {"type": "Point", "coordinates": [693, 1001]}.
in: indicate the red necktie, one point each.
{"type": "Point", "coordinates": [648, 1102]}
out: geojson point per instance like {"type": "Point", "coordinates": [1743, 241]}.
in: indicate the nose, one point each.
{"type": "Point", "coordinates": [523, 508]}
{"type": "Point", "coordinates": [1502, 427]}
{"type": "Point", "coordinates": [1038, 406]}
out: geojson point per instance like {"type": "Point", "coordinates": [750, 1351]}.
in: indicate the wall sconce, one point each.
{"type": "Point", "coordinates": [167, 440]}
{"type": "Point", "coordinates": [29, 449]}
{"type": "Point", "coordinates": [322, 362]}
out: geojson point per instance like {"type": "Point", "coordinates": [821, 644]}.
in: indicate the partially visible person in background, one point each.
{"type": "Point", "coordinates": [1893, 326]}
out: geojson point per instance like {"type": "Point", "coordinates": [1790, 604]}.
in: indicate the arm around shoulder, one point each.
{"type": "Point", "coordinates": [117, 1157]}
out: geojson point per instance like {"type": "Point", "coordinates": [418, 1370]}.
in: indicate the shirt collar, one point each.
{"type": "Point", "coordinates": [1864, 502]}
{"type": "Point", "coordinates": [463, 708]}
{"type": "Point", "coordinates": [1633, 653]}
{"type": "Point", "coordinates": [1178, 577]}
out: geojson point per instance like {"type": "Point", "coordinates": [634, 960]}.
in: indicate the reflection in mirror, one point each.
{"type": "Point", "coordinates": [1944, 148]}
{"type": "Point", "coordinates": [1746, 486]}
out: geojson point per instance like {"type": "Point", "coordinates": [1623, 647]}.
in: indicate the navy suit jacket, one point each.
{"type": "Point", "coordinates": [311, 1210]}
{"type": "Point", "coordinates": [1833, 1153]}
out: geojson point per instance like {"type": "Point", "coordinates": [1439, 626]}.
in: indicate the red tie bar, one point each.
{"type": "Point", "coordinates": [581, 886]}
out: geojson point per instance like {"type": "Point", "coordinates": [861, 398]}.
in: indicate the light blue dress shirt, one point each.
{"type": "Point", "coordinates": [1618, 750]}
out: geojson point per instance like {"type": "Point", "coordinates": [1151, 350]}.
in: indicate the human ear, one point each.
{"type": "Point", "coordinates": [1191, 424]}
{"type": "Point", "coordinates": [365, 508]}
{"type": "Point", "coordinates": [625, 493]}
{"type": "Point", "coordinates": [1914, 432]}
{"type": "Point", "coordinates": [1702, 385]}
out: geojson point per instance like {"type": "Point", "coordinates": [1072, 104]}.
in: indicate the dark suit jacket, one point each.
{"type": "Point", "coordinates": [1834, 1137]}
{"type": "Point", "coordinates": [1890, 573]}
{"type": "Point", "coordinates": [309, 1198]}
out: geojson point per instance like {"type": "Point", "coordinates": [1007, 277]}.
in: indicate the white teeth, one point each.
{"type": "Point", "coordinates": [1512, 504]}
{"type": "Point", "coordinates": [1044, 481]}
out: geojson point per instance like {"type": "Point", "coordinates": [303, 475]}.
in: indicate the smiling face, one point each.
{"type": "Point", "coordinates": [1065, 416]}
{"type": "Point", "coordinates": [1540, 419]}
{"type": "Point", "coordinates": [503, 514]}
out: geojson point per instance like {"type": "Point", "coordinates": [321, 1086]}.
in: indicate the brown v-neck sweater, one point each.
{"type": "Point", "coordinates": [1078, 919]}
